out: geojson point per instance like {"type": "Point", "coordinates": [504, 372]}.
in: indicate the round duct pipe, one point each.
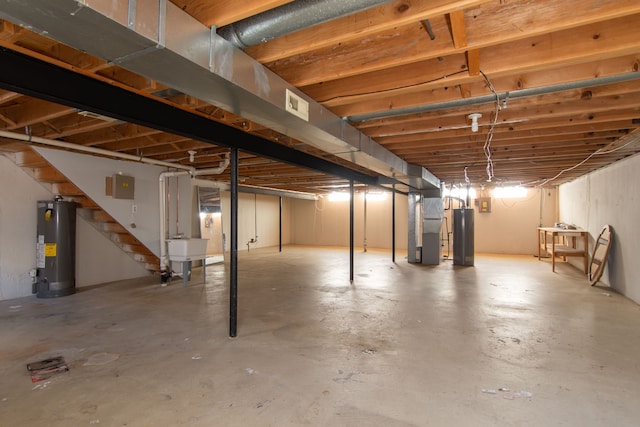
{"type": "Point", "coordinates": [485, 99]}
{"type": "Point", "coordinates": [290, 17]}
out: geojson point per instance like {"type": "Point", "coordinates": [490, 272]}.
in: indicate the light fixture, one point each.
{"type": "Point", "coordinates": [516, 192]}
{"type": "Point", "coordinates": [339, 196]}
{"type": "Point", "coordinates": [192, 155]}
{"type": "Point", "coordinates": [375, 196]}
{"type": "Point", "coordinates": [474, 121]}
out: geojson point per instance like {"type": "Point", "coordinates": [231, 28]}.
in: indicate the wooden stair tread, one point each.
{"type": "Point", "coordinates": [29, 158]}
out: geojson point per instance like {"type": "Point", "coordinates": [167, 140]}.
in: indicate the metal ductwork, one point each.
{"type": "Point", "coordinates": [158, 40]}
{"type": "Point", "coordinates": [289, 18]}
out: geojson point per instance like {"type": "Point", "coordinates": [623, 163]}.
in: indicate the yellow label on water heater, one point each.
{"type": "Point", "coordinates": [49, 249]}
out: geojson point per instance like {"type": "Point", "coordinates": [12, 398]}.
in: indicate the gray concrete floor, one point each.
{"type": "Point", "coordinates": [405, 345]}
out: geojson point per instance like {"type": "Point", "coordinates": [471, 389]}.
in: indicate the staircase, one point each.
{"type": "Point", "coordinates": [42, 171]}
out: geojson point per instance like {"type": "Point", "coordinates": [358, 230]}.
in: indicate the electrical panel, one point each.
{"type": "Point", "coordinates": [484, 204]}
{"type": "Point", "coordinates": [122, 187]}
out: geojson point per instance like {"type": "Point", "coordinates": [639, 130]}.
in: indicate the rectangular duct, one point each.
{"type": "Point", "coordinates": [158, 40]}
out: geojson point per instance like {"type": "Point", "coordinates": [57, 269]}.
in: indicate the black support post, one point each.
{"type": "Point", "coordinates": [233, 280]}
{"type": "Point", "coordinates": [393, 224]}
{"type": "Point", "coordinates": [351, 238]}
{"type": "Point", "coordinates": [280, 232]}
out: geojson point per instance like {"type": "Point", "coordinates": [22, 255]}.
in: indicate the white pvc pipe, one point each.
{"type": "Point", "coordinates": [92, 150]}
{"type": "Point", "coordinates": [162, 192]}
{"type": "Point", "coordinates": [214, 171]}
{"type": "Point", "coordinates": [209, 184]}
{"type": "Point", "coordinates": [162, 188]}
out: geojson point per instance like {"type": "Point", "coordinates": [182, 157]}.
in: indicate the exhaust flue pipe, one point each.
{"type": "Point", "coordinates": [289, 18]}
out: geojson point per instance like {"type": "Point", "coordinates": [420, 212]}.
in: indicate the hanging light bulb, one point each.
{"type": "Point", "coordinates": [474, 121]}
{"type": "Point", "coordinates": [192, 155]}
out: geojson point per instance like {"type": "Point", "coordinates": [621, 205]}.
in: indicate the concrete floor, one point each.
{"type": "Point", "coordinates": [405, 345]}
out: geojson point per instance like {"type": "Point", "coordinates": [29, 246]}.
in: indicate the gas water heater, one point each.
{"type": "Point", "coordinates": [56, 249]}
{"type": "Point", "coordinates": [463, 237]}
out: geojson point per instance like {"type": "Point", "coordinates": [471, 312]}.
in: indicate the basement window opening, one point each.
{"type": "Point", "coordinates": [339, 196]}
{"type": "Point", "coordinates": [375, 196]}
{"type": "Point", "coordinates": [515, 192]}
{"type": "Point", "coordinates": [460, 193]}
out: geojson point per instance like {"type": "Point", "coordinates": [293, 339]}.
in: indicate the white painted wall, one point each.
{"type": "Point", "coordinates": [320, 222]}
{"type": "Point", "coordinates": [211, 229]}
{"type": "Point", "coordinates": [326, 223]}
{"type": "Point", "coordinates": [609, 196]}
{"type": "Point", "coordinates": [18, 221]}
{"type": "Point", "coordinates": [379, 223]}
{"type": "Point", "coordinates": [98, 260]}
{"type": "Point", "coordinates": [511, 226]}
{"type": "Point", "coordinates": [265, 225]}
{"type": "Point", "coordinates": [286, 220]}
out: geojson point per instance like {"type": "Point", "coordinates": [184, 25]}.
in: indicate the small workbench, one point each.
{"type": "Point", "coordinates": [560, 242]}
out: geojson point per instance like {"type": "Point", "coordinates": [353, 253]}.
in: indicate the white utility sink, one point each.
{"type": "Point", "coordinates": [187, 249]}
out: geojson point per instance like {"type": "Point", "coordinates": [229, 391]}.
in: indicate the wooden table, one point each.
{"type": "Point", "coordinates": [560, 242]}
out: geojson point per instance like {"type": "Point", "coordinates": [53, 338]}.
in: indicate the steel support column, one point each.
{"type": "Point", "coordinates": [351, 235]}
{"type": "Point", "coordinates": [393, 223]}
{"type": "Point", "coordinates": [280, 227]}
{"type": "Point", "coordinates": [233, 279]}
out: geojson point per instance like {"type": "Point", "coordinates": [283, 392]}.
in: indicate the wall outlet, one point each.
{"type": "Point", "coordinates": [134, 209]}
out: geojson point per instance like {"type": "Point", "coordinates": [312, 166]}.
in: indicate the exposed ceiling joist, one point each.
{"type": "Point", "coordinates": [179, 45]}
{"type": "Point", "coordinates": [393, 57]}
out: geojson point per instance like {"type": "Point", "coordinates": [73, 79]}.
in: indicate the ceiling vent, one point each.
{"type": "Point", "coordinates": [297, 106]}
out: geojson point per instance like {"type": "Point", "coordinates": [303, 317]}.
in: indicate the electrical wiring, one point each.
{"type": "Point", "coordinates": [595, 153]}
{"type": "Point", "coordinates": [375, 92]}
{"type": "Point", "coordinates": [516, 201]}
{"type": "Point", "coordinates": [494, 121]}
